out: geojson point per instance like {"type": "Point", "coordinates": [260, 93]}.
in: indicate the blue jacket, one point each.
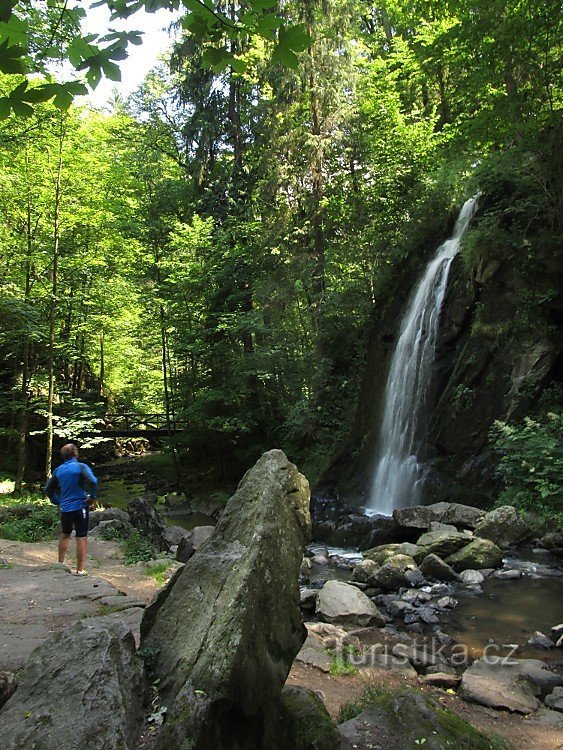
{"type": "Point", "coordinates": [67, 487]}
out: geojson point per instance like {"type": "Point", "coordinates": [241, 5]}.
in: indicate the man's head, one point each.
{"type": "Point", "coordinates": [69, 451]}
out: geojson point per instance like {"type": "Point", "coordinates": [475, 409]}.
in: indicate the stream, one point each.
{"type": "Point", "coordinates": [503, 612]}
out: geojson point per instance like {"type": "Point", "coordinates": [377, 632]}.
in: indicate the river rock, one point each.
{"type": "Point", "coordinates": [442, 543]}
{"type": "Point", "coordinates": [309, 725]}
{"type": "Point", "coordinates": [365, 571]}
{"type": "Point", "coordinates": [409, 719]}
{"type": "Point", "coordinates": [480, 553]}
{"type": "Point", "coordinates": [228, 627]}
{"type": "Point", "coordinates": [442, 680]}
{"type": "Point", "coordinates": [308, 599]}
{"type": "Point", "coordinates": [338, 602]}
{"type": "Point", "coordinates": [507, 575]}
{"type": "Point", "coordinates": [421, 516]}
{"type": "Point", "coordinates": [471, 578]}
{"type": "Point", "coordinates": [503, 526]}
{"type": "Point", "coordinates": [111, 529]}
{"type": "Point", "coordinates": [509, 684]}
{"type": "Point", "coordinates": [110, 514]}
{"type": "Point", "coordinates": [554, 542]}
{"type": "Point", "coordinates": [82, 688]}
{"type": "Point", "coordinates": [385, 552]}
{"type": "Point", "coordinates": [555, 699]}
{"type": "Point", "coordinates": [145, 518]}
{"type": "Point", "coordinates": [539, 640]}
{"type": "Point", "coordinates": [434, 567]}
{"type": "Point", "coordinates": [8, 684]}
{"type": "Point", "coordinates": [190, 543]}
{"type": "Point", "coordinates": [392, 575]}
{"type": "Point", "coordinates": [437, 526]}
{"type": "Point", "coordinates": [173, 535]}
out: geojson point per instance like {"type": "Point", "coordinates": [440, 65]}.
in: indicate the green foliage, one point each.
{"type": "Point", "coordinates": [371, 695]}
{"type": "Point", "coordinates": [39, 525]}
{"type": "Point", "coordinates": [339, 667]}
{"type": "Point", "coordinates": [531, 464]}
{"type": "Point", "coordinates": [137, 548]}
{"type": "Point", "coordinates": [158, 572]}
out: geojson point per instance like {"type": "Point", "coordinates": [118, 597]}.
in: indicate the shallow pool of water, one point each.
{"type": "Point", "coordinates": [508, 612]}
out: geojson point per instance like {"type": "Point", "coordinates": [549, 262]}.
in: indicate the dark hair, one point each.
{"type": "Point", "coordinates": [69, 451]}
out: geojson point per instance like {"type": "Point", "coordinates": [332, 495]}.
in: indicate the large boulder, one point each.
{"type": "Point", "coordinates": [384, 552]}
{"type": "Point", "coordinates": [338, 602]}
{"type": "Point", "coordinates": [504, 527]}
{"type": "Point", "coordinates": [442, 543]}
{"type": "Point", "coordinates": [409, 719]}
{"type": "Point", "coordinates": [434, 567]}
{"type": "Point", "coordinates": [173, 535]}
{"type": "Point", "coordinates": [145, 518]}
{"type": "Point", "coordinates": [365, 571]}
{"type": "Point", "coordinates": [421, 516]}
{"type": "Point", "coordinates": [82, 688]}
{"type": "Point", "coordinates": [192, 542]}
{"type": "Point", "coordinates": [509, 684]}
{"type": "Point", "coordinates": [394, 573]}
{"type": "Point", "coordinates": [477, 555]}
{"type": "Point", "coordinates": [112, 529]}
{"type": "Point", "coordinates": [8, 684]}
{"type": "Point", "coordinates": [227, 629]}
{"type": "Point", "coordinates": [109, 514]}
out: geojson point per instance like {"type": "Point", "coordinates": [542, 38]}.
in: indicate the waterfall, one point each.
{"type": "Point", "coordinates": [396, 481]}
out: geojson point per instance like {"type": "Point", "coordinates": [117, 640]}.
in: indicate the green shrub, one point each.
{"type": "Point", "coordinates": [40, 524]}
{"type": "Point", "coordinates": [353, 709]}
{"type": "Point", "coordinates": [158, 572]}
{"type": "Point", "coordinates": [138, 548]}
{"type": "Point", "coordinates": [531, 464]}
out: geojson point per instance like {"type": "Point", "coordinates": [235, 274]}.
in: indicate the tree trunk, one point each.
{"type": "Point", "coordinates": [53, 308]}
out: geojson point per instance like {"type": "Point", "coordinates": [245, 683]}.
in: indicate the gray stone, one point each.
{"type": "Point", "coordinates": [365, 571]}
{"type": "Point", "coordinates": [428, 615]}
{"type": "Point", "coordinates": [442, 680]}
{"type": "Point", "coordinates": [504, 527]}
{"type": "Point", "coordinates": [338, 602]}
{"type": "Point", "coordinates": [471, 578]}
{"type": "Point", "coordinates": [83, 687]}
{"type": "Point", "coordinates": [442, 543]}
{"type": "Point", "coordinates": [308, 723]}
{"type": "Point", "coordinates": [8, 684]}
{"type": "Point", "coordinates": [539, 640]}
{"type": "Point", "coordinates": [192, 542]}
{"type": "Point", "coordinates": [109, 529]}
{"type": "Point", "coordinates": [409, 719]}
{"type": "Point", "coordinates": [399, 609]}
{"type": "Point", "coordinates": [109, 514]}
{"type": "Point", "coordinates": [228, 627]}
{"type": "Point", "coordinates": [507, 575]}
{"type": "Point", "coordinates": [555, 699]}
{"type": "Point", "coordinates": [308, 599]}
{"type": "Point", "coordinates": [509, 684]}
{"type": "Point", "coordinates": [437, 526]}
{"type": "Point", "coordinates": [434, 567]}
{"type": "Point", "coordinates": [414, 577]}
{"type": "Point", "coordinates": [480, 553]}
{"type": "Point", "coordinates": [421, 516]}
{"type": "Point", "coordinates": [391, 575]}
{"type": "Point", "coordinates": [173, 535]}
{"type": "Point", "coordinates": [314, 653]}
{"type": "Point", "coordinates": [447, 602]}
{"type": "Point", "coordinates": [145, 518]}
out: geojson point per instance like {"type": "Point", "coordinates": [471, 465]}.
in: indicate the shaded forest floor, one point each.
{"type": "Point", "coordinates": [105, 561]}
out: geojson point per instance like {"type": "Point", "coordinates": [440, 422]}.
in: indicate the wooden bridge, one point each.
{"type": "Point", "coordinates": [136, 426]}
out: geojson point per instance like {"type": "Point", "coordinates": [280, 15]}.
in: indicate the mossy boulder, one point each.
{"type": "Point", "coordinates": [409, 719]}
{"type": "Point", "coordinates": [393, 574]}
{"type": "Point", "coordinates": [309, 724]}
{"type": "Point", "coordinates": [478, 555]}
{"type": "Point", "coordinates": [228, 628]}
{"type": "Point", "coordinates": [434, 567]}
{"type": "Point", "coordinates": [384, 552]}
{"type": "Point", "coordinates": [504, 527]}
{"type": "Point", "coordinates": [442, 543]}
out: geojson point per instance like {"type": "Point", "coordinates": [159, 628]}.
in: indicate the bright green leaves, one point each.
{"type": "Point", "coordinates": [291, 41]}
{"type": "Point", "coordinates": [23, 97]}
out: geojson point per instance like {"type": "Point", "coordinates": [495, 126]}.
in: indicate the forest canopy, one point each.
{"type": "Point", "coordinates": [214, 247]}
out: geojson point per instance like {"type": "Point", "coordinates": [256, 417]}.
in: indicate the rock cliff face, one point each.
{"type": "Point", "coordinates": [227, 629]}
{"type": "Point", "coordinates": [498, 348]}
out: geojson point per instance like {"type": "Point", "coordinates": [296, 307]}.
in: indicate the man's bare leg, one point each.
{"type": "Point", "coordinates": [64, 541]}
{"type": "Point", "coordinates": [81, 543]}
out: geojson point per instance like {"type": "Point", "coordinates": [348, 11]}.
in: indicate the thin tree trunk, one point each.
{"type": "Point", "coordinates": [102, 362]}
{"type": "Point", "coordinates": [53, 309]}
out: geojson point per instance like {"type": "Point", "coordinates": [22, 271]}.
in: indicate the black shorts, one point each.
{"type": "Point", "coordinates": [75, 519]}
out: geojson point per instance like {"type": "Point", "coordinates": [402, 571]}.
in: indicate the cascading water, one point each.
{"type": "Point", "coordinates": [396, 481]}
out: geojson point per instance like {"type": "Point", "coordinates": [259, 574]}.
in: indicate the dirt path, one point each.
{"type": "Point", "coordinates": [105, 560]}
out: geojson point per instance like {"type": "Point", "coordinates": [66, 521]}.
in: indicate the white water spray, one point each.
{"type": "Point", "coordinates": [396, 482]}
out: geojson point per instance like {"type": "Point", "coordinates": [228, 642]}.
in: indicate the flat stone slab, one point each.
{"type": "Point", "coordinates": [40, 601]}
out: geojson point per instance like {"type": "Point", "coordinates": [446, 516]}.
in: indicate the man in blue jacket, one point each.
{"type": "Point", "coordinates": [67, 489]}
